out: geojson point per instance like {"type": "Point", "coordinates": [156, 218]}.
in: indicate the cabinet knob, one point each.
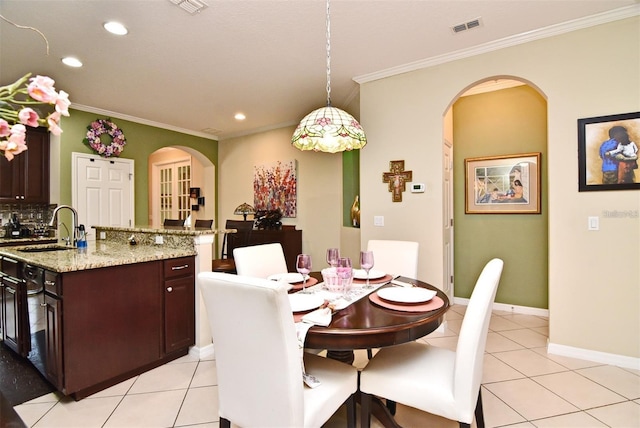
{"type": "Point", "coordinates": [169, 289]}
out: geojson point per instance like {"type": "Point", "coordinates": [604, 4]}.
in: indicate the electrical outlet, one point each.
{"type": "Point", "coordinates": [159, 240]}
{"type": "Point", "coordinates": [103, 235]}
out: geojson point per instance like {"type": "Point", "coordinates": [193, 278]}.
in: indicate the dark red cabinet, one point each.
{"type": "Point", "coordinates": [26, 177]}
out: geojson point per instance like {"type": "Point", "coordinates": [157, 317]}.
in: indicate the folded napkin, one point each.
{"type": "Point", "coordinates": [320, 316]}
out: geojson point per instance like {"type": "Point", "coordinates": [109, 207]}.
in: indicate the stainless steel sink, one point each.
{"type": "Point", "coordinates": [36, 249]}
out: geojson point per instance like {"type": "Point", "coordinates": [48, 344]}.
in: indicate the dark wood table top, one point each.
{"type": "Point", "coordinates": [365, 325]}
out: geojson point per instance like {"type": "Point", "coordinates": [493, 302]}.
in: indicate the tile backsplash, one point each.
{"type": "Point", "coordinates": [30, 215]}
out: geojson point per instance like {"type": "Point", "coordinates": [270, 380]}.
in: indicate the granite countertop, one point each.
{"type": "Point", "coordinates": [10, 242]}
{"type": "Point", "coordinates": [160, 231]}
{"type": "Point", "coordinates": [98, 254]}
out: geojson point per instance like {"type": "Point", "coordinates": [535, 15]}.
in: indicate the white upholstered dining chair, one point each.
{"type": "Point", "coordinates": [438, 380]}
{"type": "Point", "coordinates": [395, 257]}
{"type": "Point", "coordinates": [260, 261]}
{"type": "Point", "coordinates": [258, 360]}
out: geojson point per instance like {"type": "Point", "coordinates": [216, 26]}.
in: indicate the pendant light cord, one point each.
{"type": "Point", "coordinates": [328, 57]}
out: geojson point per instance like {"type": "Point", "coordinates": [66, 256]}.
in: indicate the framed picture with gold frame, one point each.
{"type": "Point", "coordinates": [508, 184]}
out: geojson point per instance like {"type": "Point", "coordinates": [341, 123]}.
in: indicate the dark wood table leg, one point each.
{"type": "Point", "coordinates": [378, 408]}
{"type": "Point", "coordinates": [344, 356]}
{"type": "Point", "coordinates": [380, 411]}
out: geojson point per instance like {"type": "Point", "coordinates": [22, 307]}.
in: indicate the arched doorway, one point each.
{"type": "Point", "coordinates": [497, 116]}
{"type": "Point", "coordinates": [180, 168]}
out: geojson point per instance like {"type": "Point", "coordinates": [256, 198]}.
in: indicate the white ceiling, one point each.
{"type": "Point", "coordinates": [265, 58]}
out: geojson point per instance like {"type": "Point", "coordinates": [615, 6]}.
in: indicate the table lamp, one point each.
{"type": "Point", "coordinates": [244, 209]}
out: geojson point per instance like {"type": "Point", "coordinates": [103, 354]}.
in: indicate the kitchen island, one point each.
{"type": "Point", "coordinates": [111, 311]}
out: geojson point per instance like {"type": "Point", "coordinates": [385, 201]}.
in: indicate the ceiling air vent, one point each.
{"type": "Point", "coordinates": [191, 6]}
{"type": "Point", "coordinates": [212, 131]}
{"type": "Point", "coordinates": [467, 25]}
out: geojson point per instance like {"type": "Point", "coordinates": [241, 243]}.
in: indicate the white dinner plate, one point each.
{"type": "Point", "coordinates": [291, 277]}
{"type": "Point", "coordinates": [406, 295]}
{"type": "Point", "coordinates": [362, 274]}
{"type": "Point", "coordinates": [305, 302]}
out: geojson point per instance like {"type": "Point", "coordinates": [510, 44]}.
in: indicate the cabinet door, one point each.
{"type": "Point", "coordinates": [179, 313]}
{"type": "Point", "coordinates": [1, 307]}
{"type": "Point", "coordinates": [53, 340]}
{"type": "Point", "coordinates": [26, 177]}
{"type": "Point", "coordinates": [11, 313]}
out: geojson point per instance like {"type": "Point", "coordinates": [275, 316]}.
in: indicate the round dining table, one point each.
{"type": "Point", "coordinates": [367, 325]}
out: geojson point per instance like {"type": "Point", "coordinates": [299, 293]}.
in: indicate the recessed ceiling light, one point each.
{"type": "Point", "coordinates": [240, 116]}
{"type": "Point", "coordinates": [71, 61]}
{"type": "Point", "coordinates": [115, 28]}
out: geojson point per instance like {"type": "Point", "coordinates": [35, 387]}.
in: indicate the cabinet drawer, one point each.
{"type": "Point", "coordinates": [174, 268]}
{"type": "Point", "coordinates": [12, 267]}
{"type": "Point", "coordinates": [53, 283]}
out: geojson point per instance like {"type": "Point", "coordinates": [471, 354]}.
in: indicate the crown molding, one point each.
{"type": "Point", "coordinates": [541, 33]}
{"type": "Point", "coordinates": [141, 121]}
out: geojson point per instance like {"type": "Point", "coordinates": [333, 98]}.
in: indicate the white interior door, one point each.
{"type": "Point", "coordinates": [447, 203]}
{"type": "Point", "coordinates": [102, 191]}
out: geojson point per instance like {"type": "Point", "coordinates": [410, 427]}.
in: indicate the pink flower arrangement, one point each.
{"type": "Point", "coordinates": [16, 112]}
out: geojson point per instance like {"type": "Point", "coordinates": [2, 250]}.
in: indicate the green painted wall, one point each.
{"type": "Point", "coordinates": [350, 183]}
{"type": "Point", "coordinates": [142, 140]}
{"type": "Point", "coordinates": [508, 121]}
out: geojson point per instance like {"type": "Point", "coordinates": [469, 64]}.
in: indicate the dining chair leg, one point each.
{"type": "Point", "coordinates": [224, 423]}
{"type": "Point", "coordinates": [365, 410]}
{"type": "Point", "coordinates": [391, 405]}
{"type": "Point", "coordinates": [479, 412]}
{"type": "Point", "coordinates": [351, 411]}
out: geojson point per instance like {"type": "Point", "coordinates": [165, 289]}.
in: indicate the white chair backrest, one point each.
{"type": "Point", "coordinates": [473, 337]}
{"type": "Point", "coordinates": [256, 347]}
{"type": "Point", "coordinates": [395, 257]}
{"type": "Point", "coordinates": [260, 261]}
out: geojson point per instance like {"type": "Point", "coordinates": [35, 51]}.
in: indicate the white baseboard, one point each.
{"type": "Point", "coordinates": [525, 310]}
{"type": "Point", "coordinates": [563, 350]}
{"type": "Point", "coordinates": [203, 353]}
{"type": "Point", "coordinates": [596, 356]}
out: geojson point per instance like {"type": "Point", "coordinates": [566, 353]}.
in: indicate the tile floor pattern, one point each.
{"type": "Point", "coordinates": [522, 387]}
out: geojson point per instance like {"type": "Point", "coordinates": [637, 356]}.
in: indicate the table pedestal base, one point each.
{"type": "Point", "coordinates": [378, 408]}
{"type": "Point", "coordinates": [346, 357]}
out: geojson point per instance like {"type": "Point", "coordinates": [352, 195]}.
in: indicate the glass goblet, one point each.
{"type": "Point", "coordinates": [303, 266]}
{"type": "Point", "coordinates": [366, 263]}
{"type": "Point", "coordinates": [333, 254]}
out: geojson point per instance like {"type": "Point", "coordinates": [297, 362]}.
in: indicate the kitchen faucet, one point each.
{"type": "Point", "coordinates": [74, 222]}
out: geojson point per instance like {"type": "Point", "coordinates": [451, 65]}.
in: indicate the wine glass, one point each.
{"type": "Point", "coordinates": [345, 273]}
{"type": "Point", "coordinates": [333, 254]}
{"type": "Point", "coordinates": [303, 266]}
{"type": "Point", "coordinates": [366, 263]}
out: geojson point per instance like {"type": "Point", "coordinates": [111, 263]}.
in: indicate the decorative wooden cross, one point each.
{"type": "Point", "coordinates": [397, 178]}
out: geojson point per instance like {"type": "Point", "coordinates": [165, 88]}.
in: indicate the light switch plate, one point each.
{"type": "Point", "coordinates": [594, 223]}
{"type": "Point", "coordinates": [378, 220]}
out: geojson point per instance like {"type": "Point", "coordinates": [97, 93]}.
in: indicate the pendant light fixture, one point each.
{"type": "Point", "coordinates": [329, 129]}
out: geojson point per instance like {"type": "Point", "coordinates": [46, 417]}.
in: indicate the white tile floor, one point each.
{"type": "Point", "coordinates": [522, 387]}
